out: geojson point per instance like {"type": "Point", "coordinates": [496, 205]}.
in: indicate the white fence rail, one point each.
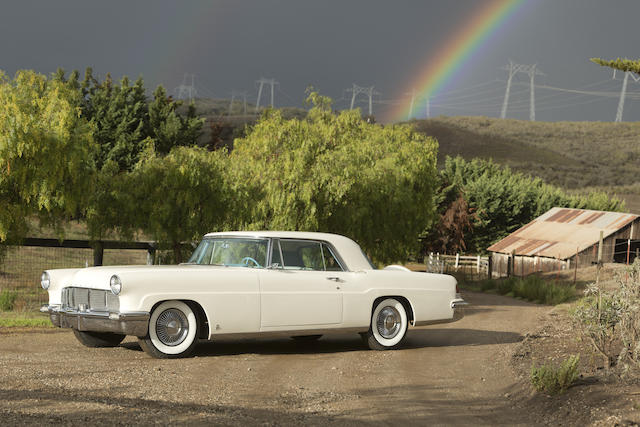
{"type": "Point", "coordinates": [442, 263]}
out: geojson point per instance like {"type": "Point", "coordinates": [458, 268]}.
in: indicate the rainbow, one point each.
{"type": "Point", "coordinates": [441, 68]}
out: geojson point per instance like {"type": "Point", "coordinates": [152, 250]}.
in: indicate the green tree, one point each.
{"type": "Point", "coordinates": [502, 200]}
{"type": "Point", "coordinates": [119, 114]}
{"type": "Point", "coordinates": [46, 152]}
{"type": "Point", "coordinates": [620, 64]}
{"type": "Point", "coordinates": [170, 129]}
{"type": "Point", "coordinates": [180, 196]}
{"type": "Point", "coordinates": [339, 174]}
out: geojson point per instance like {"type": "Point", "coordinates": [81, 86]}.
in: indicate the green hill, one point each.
{"type": "Point", "coordinates": [573, 155]}
{"type": "Point", "coordinates": [569, 154]}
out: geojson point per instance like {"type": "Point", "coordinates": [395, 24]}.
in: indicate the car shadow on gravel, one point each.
{"type": "Point", "coordinates": [33, 407]}
{"type": "Point", "coordinates": [342, 343]}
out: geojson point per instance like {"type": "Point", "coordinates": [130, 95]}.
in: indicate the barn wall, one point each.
{"type": "Point", "coordinates": [524, 265]}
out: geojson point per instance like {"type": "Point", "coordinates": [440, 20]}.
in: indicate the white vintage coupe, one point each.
{"type": "Point", "coordinates": [299, 284]}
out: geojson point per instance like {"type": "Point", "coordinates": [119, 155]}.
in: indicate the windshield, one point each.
{"type": "Point", "coordinates": [231, 251]}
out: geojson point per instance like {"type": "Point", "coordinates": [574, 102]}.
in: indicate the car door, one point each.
{"type": "Point", "coordinates": [303, 286]}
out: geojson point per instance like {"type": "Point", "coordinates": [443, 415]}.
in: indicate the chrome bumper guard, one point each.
{"type": "Point", "coordinates": [136, 324]}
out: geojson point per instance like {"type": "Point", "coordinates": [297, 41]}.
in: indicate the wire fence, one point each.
{"type": "Point", "coordinates": [22, 266]}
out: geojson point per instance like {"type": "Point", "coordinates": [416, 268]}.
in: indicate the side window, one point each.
{"type": "Point", "coordinates": [302, 255]}
{"type": "Point", "coordinates": [331, 263]}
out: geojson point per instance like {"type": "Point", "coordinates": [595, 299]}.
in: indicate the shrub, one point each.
{"type": "Point", "coordinates": [8, 300]}
{"type": "Point", "coordinates": [555, 380]}
{"type": "Point", "coordinates": [611, 319]}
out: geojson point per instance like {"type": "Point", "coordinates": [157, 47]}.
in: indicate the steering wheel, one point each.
{"type": "Point", "coordinates": [246, 260]}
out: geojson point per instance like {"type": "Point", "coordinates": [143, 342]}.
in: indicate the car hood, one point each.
{"type": "Point", "coordinates": [99, 277]}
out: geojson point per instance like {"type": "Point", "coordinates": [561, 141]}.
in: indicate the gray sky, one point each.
{"type": "Point", "coordinates": [331, 44]}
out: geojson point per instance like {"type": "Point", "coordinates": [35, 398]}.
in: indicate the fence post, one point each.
{"type": "Point", "coordinates": [98, 252]}
{"type": "Point", "coordinates": [575, 269]}
{"type": "Point", "coordinates": [600, 242]}
{"type": "Point", "coordinates": [490, 265]}
{"type": "Point", "coordinates": [457, 260]}
{"type": "Point", "coordinates": [151, 255]}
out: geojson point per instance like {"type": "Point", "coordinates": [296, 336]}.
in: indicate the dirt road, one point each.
{"type": "Point", "coordinates": [456, 373]}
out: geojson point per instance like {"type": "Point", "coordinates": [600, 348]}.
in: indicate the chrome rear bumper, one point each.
{"type": "Point", "coordinates": [120, 323]}
{"type": "Point", "coordinates": [457, 305]}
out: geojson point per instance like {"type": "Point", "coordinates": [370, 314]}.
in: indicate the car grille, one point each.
{"type": "Point", "coordinates": [83, 299]}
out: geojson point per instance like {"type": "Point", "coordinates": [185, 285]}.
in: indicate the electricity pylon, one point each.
{"type": "Point", "coordinates": [185, 91]}
{"type": "Point", "coordinates": [623, 93]}
{"type": "Point", "coordinates": [532, 71]}
{"type": "Point", "coordinates": [235, 93]}
{"type": "Point", "coordinates": [369, 91]}
{"type": "Point", "coordinates": [261, 83]}
{"type": "Point", "coordinates": [413, 98]}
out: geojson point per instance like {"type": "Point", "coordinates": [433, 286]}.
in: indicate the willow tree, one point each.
{"type": "Point", "coordinates": [46, 152]}
{"type": "Point", "coordinates": [336, 173]}
{"type": "Point", "coordinates": [178, 197]}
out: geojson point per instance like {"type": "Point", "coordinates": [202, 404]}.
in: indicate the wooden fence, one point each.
{"type": "Point", "coordinates": [474, 266]}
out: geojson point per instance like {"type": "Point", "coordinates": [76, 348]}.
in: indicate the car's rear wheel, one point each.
{"type": "Point", "coordinates": [173, 331]}
{"type": "Point", "coordinates": [388, 325]}
{"type": "Point", "coordinates": [98, 339]}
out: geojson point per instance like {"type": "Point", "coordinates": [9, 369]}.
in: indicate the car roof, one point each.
{"type": "Point", "coordinates": [349, 251]}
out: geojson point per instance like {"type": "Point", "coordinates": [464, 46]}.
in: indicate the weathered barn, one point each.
{"type": "Point", "coordinates": [561, 237]}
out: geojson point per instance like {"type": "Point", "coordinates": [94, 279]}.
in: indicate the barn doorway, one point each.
{"type": "Point", "coordinates": [621, 248]}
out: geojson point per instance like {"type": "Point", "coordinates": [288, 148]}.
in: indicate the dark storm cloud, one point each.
{"type": "Point", "coordinates": [327, 44]}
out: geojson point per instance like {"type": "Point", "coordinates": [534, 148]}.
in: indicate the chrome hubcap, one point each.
{"type": "Point", "coordinates": [172, 327]}
{"type": "Point", "coordinates": [388, 322]}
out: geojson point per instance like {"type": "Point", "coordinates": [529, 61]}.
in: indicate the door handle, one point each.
{"type": "Point", "coordinates": [333, 278]}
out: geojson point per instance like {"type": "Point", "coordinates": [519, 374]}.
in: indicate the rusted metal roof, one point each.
{"type": "Point", "coordinates": [560, 232]}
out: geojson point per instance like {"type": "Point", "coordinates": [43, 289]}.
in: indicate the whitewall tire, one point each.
{"type": "Point", "coordinates": [173, 331]}
{"type": "Point", "coordinates": [389, 324]}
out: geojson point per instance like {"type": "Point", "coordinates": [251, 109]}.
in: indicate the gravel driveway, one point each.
{"type": "Point", "coordinates": [445, 374]}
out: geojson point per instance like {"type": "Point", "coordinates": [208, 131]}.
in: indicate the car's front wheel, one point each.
{"type": "Point", "coordinates": [98, 339]}
{"type": "Point", "coordinates": [388, 325]}
{"type": "Point", "coordinates": [173, 331]}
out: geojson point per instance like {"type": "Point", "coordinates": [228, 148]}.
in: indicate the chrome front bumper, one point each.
{"type": "Point", "coordinates": [136, 324]}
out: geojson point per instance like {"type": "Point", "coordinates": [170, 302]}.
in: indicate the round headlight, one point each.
{"type": "Point", "coordinates": [116, 284]}
{"type": "Point", "coordinates": [45, 280]}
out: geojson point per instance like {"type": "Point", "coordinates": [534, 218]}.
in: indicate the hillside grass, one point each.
{"type": "Point", "coordinates": [572, 155]}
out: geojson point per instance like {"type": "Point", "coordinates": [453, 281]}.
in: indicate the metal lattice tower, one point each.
{"type": "Point", "coordinates": [623, 93]}
{"type": "Point", "coordinates": [185, 91]}
{"type": "Point", "coordinates": [261, 83]}
{"type": "Point", "coordinates": [532, 71]}
{"type": "Point", "coordinates": [234, 94]}
{"type": "Point", "coordinates": [369, 91]}
{"type": "Point", "coordinates": [413, 98]}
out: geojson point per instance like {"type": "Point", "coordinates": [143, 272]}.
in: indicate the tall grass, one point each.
{"type": "Point", "coordinates": [532, 288]}
{"type": "Point", "coordinates": [7, 300]}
